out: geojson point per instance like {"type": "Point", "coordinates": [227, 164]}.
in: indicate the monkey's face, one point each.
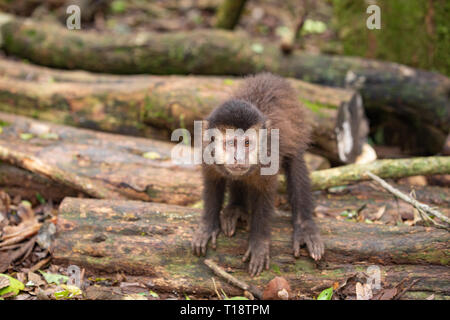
{"type": "Point", "coordinates": [238, 153]}
{"type": "Point", "coordinates": [235, 151]}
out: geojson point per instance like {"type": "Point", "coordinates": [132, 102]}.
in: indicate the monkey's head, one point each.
{"type": "Point", "coordinates": [233, 130]}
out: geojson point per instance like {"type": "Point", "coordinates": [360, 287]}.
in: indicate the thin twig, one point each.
{"type": "Point", "coordinates": [232, 280]}
{"type": "Point", "coordinates": [40, 264]}
{"type": "Point", "coordinates": [422, 208]}
{"type": "Point", "coordinates": [215, 288]}
{"type": "Point", "coordinates": [405, 289]}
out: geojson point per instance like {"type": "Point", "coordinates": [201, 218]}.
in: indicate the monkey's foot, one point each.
{"type": "Point", "coordinates": [259, 257]}
{"type": "Point", "coordinates": [229, 218]}
{"type": "Point", "coordinates": [201, 238]}
{"type": "Point", "coordinates": [308, 233]}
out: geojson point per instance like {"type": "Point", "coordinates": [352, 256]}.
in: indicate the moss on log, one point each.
{"type": "Point", "coordinates": [422, 96]}
{"type": "Point", "coordinates": [153, 239]}
{"type": "Point", "coordinates": [153, 106]}
{"type": "Point", "coordinates": [389, 168]}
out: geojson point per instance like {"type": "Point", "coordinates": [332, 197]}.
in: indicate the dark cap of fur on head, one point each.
{"type": "Point", "coordinates": [236, 113]}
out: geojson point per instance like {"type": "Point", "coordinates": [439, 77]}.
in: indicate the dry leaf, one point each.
{"type": "Point", "coordinates": [28, 227]}
{"type": "Point", "coordinates": [35, 279]}
{"type": "Point", "coordinates": [4, 282]}
{"type": "Point", "coordinates": [379, 213]}
{"type": "Point", "coordinates": [388, 294]}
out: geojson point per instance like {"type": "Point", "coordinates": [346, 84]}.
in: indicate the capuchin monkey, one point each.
{"type": "Point", "coordinates": [264, 101]}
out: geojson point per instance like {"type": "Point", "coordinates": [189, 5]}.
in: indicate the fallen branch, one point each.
{"type": "Point", "coordinates": [389, 168]}
{"type": "Point", "coordinates": [423, 208]}
{"type": "Point", "coordinates": [232, 280]}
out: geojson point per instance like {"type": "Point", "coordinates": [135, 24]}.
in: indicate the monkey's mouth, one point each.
{"type": "Point", "coordinates": [237, 169]}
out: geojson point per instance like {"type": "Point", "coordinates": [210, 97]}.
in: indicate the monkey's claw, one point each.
{"type": "Point", "coordinates": [259, 258]}
{"type": "Point", "coordinates": [229, 218]}
{"type": "Point", "coordinates": [307, 233]}
{"type": "Point", "coordinates": [201, 238]}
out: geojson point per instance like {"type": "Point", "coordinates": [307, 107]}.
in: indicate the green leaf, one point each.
{"type": "Point", "coordinates": [152, 155]}
{"type": "Point", "coordinates": [67, 292]}
{"type": "Point", "coordinates": [15, 286]}
{"type": "Point", "coordinates": [40, 198]}
{"type": "Point", "coordinates": [187, 297]}
{"type": "Point", "coordinates": [257, 48]}
{"type": "Point", "coordinates": [26, 136]}
{"type": "Point", "coordinates": [26, 203]}
{"type": "Point", "coordinates": [326, 294]}
{"type": "Point", "coordinates": [153, 294]}
{"type": "Point", "coordinates": [198, 205]}
{"type": "Point", "coordinates": [49, 136]}
{"type": "Point", "coordinates": [313, 26]}
{"type": "Point", "coordinates": [118, 6]}
{"type": "Point", "coordinates": [237, 298]}
{"type": "Point", "coordinates": [54, 278]}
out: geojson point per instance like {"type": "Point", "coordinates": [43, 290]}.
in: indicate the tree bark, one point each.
{"type": "Point", "coordinates": [153, 240]}
{"type": "Point", "coordinates": [422, 96]}
{"type": "Point", "coordinates": [105, 165]}
{"type": "Point", "coordinates": [154, 106]}
{"type": "Point", "coordinates": [228, 13]}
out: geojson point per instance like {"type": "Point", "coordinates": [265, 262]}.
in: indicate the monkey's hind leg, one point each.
{"type": "Point", "coordinates": [235, 210]}
{"type": "Point", "coordinates": [300, 198]}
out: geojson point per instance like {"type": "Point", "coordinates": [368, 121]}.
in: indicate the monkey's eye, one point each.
{"type": "Point", "coordinates": [247, 142]}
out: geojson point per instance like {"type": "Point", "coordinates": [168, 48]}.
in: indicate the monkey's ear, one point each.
{"type": "Point", "coordinates": [267, 124]}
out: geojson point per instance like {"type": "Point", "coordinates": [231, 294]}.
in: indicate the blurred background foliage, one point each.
{"type": "Point", "coordinates": [413, 32]}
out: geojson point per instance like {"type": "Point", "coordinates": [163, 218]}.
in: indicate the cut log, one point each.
{"type": "Point", "coordinates": [111, 166]}
{"type": "Point", "coordinates": [18, 182]}
{"type": "Point", "coordinates": [154, 240]}
{"type": "Point", "coordinates": [418, 95]}
{"type": "Point", "coordinates": [154, 106]}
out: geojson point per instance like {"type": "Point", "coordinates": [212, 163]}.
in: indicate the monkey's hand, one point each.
{"type": "Point", "coordinates": [307, 233]}
{"type": "Point", "coordinates": [201, 238]}
{"type": "Point", "coordinates": [258, 252]}
{"type": "Point", "coordinates": [229, 218]}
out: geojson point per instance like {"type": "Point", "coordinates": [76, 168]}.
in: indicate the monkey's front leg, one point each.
{"type": "Point", "coordinates": [236, 209]}
{"type": "Point", "coordinates": [209, 225]}
{"type": "Point", "coordinates": [259, 243]}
